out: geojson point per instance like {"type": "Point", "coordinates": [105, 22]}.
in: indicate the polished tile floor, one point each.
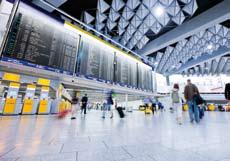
{"type": "Point", "coordinates": [134, 138]}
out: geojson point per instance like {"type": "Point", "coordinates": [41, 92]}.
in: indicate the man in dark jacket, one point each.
{"type": "Point", "coordinates": [190, 91]}
{"type": "Point", "coordinates": [84, 101]}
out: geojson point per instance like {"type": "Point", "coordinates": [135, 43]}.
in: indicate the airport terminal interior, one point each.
{"type": "Point", "coordinates": [114, 80]}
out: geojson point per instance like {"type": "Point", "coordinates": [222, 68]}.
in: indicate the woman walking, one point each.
{"type": "Point", "coordinates": [176, 103]}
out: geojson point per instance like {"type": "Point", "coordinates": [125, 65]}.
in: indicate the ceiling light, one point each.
{"type": "Point", "coordinates": [158, 11]}
{"type": "Point", "coordinates": [210, 46]}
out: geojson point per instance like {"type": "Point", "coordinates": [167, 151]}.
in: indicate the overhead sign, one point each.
{"type": "Point", "coordinates": [43, 82]}
{"type": "Point", "coordinates": [11, 77]}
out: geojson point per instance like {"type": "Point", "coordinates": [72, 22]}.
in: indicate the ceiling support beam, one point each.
{"type": "Point", "coordinates": [56, 3]}
{"type": "Point", "coordinates": [204, 58]}
{"type": "Point", "coordinates": [226, 69]}
{"type": "Point", "coordinates": [221, 65]}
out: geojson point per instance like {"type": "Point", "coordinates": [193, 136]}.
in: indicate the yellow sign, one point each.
{"type": "Point", "coordinates": [14, 85]}
{"type": "Point", "coordinates": [44, 82]}
{"type": "Point", "coordinates": [11, 77]}
{"type": "Point", "coordinates": [9, 106]}
{"type": "Point", "coordinates": [31, 86]}
{"type": "Point", "coordinates": [45, 88]}
{"type": "Point", "coordinates": [27, 106]}
{"type": "Point", "coordinates": [43, 106]}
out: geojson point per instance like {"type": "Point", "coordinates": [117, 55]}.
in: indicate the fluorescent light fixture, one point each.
{"type": "Point", "coordinates": [158, 11]}
{"type": "Point", "coordinates": [210, 46]}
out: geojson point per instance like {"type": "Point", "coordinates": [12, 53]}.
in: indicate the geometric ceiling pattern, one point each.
{"type": "Point", "coordinates": [203, 42]}
{"type": "Point", "coordinates": [215, 66]}
{"type": "Point", "coordinates": [130, 23]}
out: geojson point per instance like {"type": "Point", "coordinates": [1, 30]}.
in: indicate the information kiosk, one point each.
{"type": "Point", "coordinates": [11, 102]}
{"type": "Point", "coordinates": [44, 103]}
{"type": "Point", "coordinates": [30, 103]}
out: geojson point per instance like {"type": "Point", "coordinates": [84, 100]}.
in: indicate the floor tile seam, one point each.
{"type": "Point", "coordinates": [127, 152]}
{"type": "Point", "coordinates": [107, 147]}
{"type": "Point", "coordinates": [17, 158]}
{"type": "Point", "coordinates": [152, 157]}
{"type": "Point", "coordinates": [51, 141]}
{"type": "Point", "coordinates": [61, 149]}
{"type": "Point", "coordinates": [77, 155]}
{"type": "Point", "coordinates": [7, 152]}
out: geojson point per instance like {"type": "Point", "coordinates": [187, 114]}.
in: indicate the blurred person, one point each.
{"type": "Point", "coordinates": [108, 105]}
{"type": "Point", "coordinates": [190, 91]}
{"type": "Point", "coordinates": [176, 103]}
{"type": "Point", "coordinates": [154, 106]}
{"type": "Point", "coordinates": [227, 92]}
{"type": "Point", "coordinates": [146, 102]}
{"type": "Point", "coordinates": [84, 101]}
{"type": "Point", "coordinates": [75, 107]}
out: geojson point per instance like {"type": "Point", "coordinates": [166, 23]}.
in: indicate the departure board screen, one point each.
{"type": "Point", "coordinates": [94, 60]}
{"type": "Point", "coordinates": [40, 39]}
{"type": "Point", "coordinates": [144, 77]}
{"type": "Point", "coordinates": [126, 73]}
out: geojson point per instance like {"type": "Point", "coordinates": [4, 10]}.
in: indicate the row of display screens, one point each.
{"type": "Point", "coordinates": [38, 39]}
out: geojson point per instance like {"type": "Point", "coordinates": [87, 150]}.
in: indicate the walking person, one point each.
{"type": "Point", "coordinates": [227, 92]}
{"type": "Point", "coordinates": [84, 101]}
{"type": "Point", "coordinates": [75, 107]}
{"type": "Point", "coordinates": [176, 103]}
{"type": "Point", "coordinates": [190, 91]}
{"type": "Point", "coordinates": [108, 105]}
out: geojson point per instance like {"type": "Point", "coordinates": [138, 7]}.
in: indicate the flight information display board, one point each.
{"type": "Point", "coordinates": [144, 77]}
{"type": "Point", "coordinates": [95, 61]}
{"type": "Point", "coordinates": [126, 70]}
{"type": "Point", "coordinates": [40, 39]}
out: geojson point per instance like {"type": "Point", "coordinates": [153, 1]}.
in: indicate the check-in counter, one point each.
{"type": "Point", "coordinates": [30, 106]}
{"type": "Point", "coordinates": [30, 103]}
{"type": "Point", "coordinates": [12, 106]}
{"type": "Point", "coordinates": [44, 102]}
{"type": "Point", "coordinates": [44, 106]}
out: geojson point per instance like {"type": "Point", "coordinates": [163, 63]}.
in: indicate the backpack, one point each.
{"type": "Point", "coordinates": [198, 99]}
{"type": "Point", "coordinates": [175, 97]}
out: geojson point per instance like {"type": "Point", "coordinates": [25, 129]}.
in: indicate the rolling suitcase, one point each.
{"type": "Point", "coordinates": [120, 112]}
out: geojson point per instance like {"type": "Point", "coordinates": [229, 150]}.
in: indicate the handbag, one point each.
{"type": "Point", "coordinates": [198, 99]}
